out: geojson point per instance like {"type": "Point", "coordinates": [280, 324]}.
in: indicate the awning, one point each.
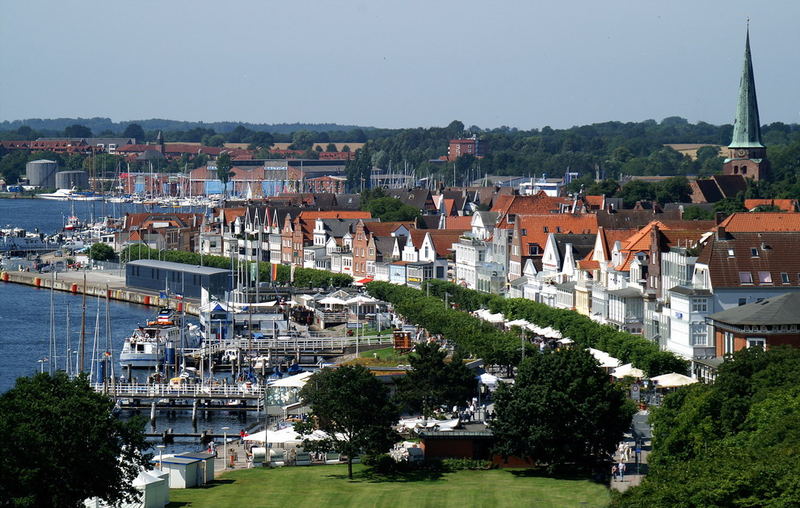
{"type": "Point", "coordinates": [361, 282]}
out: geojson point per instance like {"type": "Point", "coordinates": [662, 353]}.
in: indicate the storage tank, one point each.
{"type": "Point", "coordinates": [70, 179]}
{"type": "Point", "coordinates": [42, 173]}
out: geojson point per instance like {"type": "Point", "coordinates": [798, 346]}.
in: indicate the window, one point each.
{"type": "Point", "coordinates": [698, 334]}
{"type": "Point", "coordinates": [745, 277]}
{"type": "Point", "coordinates": [742, 301]}
{"type": "Point", "coordinates": [730, 253]}
{"type": "Point", "coordinates": [727, 343]}
{"type": "Point", "coordinates": [558, 229]}
{"type": "Point", "coordinates": [533, 250]}
{"type": "Point", "coordinates": [784, 278]}
{"type": "Point", "coordinates": [765, 277]}
{"type": "Point", "coordinates": [757, 342]}
{"type": "Point", "coordinates": [545, 229]}
{"type": "Point", "coordinates": [754, 252]}
{"type": "Point", "coordinates": [699, 305]}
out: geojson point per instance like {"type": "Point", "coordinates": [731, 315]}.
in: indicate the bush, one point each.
{"type": "Point", "coordinates": [466, 464]}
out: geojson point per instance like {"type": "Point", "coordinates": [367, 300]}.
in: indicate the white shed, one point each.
{"type": "Point", "coordinates": [153, 492]}
{"type": "Point", "coordinates": [182, 471]}
{"type": "Point", "coordinates": [205, 470]}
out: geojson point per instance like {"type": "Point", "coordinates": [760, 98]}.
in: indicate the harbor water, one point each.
{"type": "Point", "coordinates": [25, 316]}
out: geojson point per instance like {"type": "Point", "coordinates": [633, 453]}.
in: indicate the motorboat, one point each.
{"type": "Point", "coordinates": [156, 343]}
{"type": "Point", "coordinates": [59, 195]}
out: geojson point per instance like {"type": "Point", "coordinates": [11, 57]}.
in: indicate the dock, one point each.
{"type": "Point", "coordinates": [99, 283]}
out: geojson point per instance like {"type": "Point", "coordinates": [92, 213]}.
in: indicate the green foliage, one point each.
{"type": "Point", "coordinates": [224, 172]}
{"type": "Point", "coordinates": [359, 169]}
{"type": "Point", "coordinates": [561, 409]}
{"type": "Point", "coordinates": [697, 213]}
{"type": "Point", "coordinates": [61, 444]}
{"type": "Point", "coordinates": [353, 407]}
{"type": "Point", "coordinates": [432, 382]}
{"type": "Point", "coordinates": [728, 206]}
{"type": "Point", "coordinates": [101, 252]}
{"type": "Point", "coordinates": [502, 348]}
{"type": "Point", "coordinates": [466, 464]}
{"type": "Point", "coordinates": [389, 209]}
{"type": "Point", "coordinates": [732, 443]}
{"type": "Point", "coordinates": [303, 277]}
{"type": "Point", "coordinates": [134, 130]}
{"type": "Point", "coordinates": [671, 190]}
{"type": "Point", "coordinates": [77, 131]}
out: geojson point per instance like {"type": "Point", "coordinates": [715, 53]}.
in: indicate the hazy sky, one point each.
{"type": "Point", "coordinates": [396, 63]}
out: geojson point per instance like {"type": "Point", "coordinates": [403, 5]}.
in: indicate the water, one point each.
{"type": "Point", "coordinates": [49, 216]}
{"type": "Point", "coordinates": [25, 319]}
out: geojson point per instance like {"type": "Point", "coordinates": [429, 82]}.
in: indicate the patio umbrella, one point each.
{"type": "Point", "coordinates": [627, 370]}
{"type": "Point", "coordinates": [672, 380]}
{"type": "Point", "coordinates": [332, 300]}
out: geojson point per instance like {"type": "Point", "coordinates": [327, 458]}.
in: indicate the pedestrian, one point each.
{"type": "Point", "coordinates": [621, 468]}
{"type": "Point", "coordinates": [242, 434]}
{"type": "Point", "coordinates": [613, 471]}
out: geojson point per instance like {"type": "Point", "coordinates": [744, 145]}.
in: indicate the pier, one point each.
{"type": "Point", "coordinates": [98, 283]}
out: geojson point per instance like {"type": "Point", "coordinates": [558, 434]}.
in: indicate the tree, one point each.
{"type": "Point", "coordinates": [389, 209]}
{"type": "Point", "coordinates": [134, 130]}
{"type": "Point", "coordinates": [359, 169]}
{"type": "Point", "coordinates": [101, 252]}
{"type": "Point", "coordinates": [353, 408]}
{"type": "Point", "coordinates": [61, 444]}
{"type": "Point", "coordinates": [697, 213]}
{"type": "Point", "coordinates": [224, 172]}
{"type": "Point", "coordinates": [636, 190]}
{"type": "Point", "coordinates": [561, 409]}
{"type": "Point", "coordinates": [728, 206]}
{"type": "Point", "coordinates": [330, 148]}
{"type": "Point", "coordinates": [77, 131]}
{"type": "Point", "coordinates": [673, 190]}
{"type": "Point", "coordinates": [432, 382]}
{"type": "Point", "coordinates": [302, 140]}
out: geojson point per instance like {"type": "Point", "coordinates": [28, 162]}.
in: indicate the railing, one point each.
{"type": "Point", "coordinates": [178, 391]}
{"type": "Point", "coordinates": [291, 344]}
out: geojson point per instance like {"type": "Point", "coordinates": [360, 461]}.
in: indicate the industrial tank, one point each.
{"type": "Point", "coordinates": [42, 173]}
{"type": "Point", "coordinates": [70, 179]}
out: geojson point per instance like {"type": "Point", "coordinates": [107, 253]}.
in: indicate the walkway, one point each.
{"type": "Point", "coordinates": [634, 473]}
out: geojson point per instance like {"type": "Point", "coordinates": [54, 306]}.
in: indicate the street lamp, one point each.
{"type": "Point", "coordinates": [225, 447]}
{"type": "Point", "coordinates": [41, 365]}
{"type": "Point", "coordinates": [160, 456]}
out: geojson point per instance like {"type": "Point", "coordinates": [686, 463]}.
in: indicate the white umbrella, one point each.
{"type": "Point", "coordinates": [672, 380]}
{"type": "Point", "coordinates": [551, 332]}
{"type": "Point", "coordinates": [360, 299]}
{"type": "Point", "coordinates": [627, 370]}
{"type": "Point", "coordinates": [566, 340]}
{"type": "Point", "coordinates": [606, 360]}
{"type": "Point", "coordinates": [494, 318]}
{"type": "Point", "coordinates": [332, 300]}
{"type": "Point", "coordinates": [517, 322]}
{"type": "Point", "coordinates": [285, 435]}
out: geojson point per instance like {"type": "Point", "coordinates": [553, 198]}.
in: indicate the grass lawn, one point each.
{"type": "Point", "coordinates": [325, 486]}
{"type": "Point", "coordinates": [385, 357]}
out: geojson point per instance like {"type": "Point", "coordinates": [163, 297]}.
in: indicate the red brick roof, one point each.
{"type": "Point", "coordinates": [787, 205]}
{"type": "Point", "coordinates": [761, 221]}
{"type": "Point", "coordinates": [535, 228]}
{"type": "Point", "coordinates": [459, 222]}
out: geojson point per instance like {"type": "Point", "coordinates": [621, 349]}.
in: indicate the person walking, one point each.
{"type": "Point", "coordinates": [621, 468]}
{"type": "Point", "coordinates": [613, 472]}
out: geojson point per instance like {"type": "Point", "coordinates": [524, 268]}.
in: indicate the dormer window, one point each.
{"type": "Point", "coordinates": [754, 252]}
{"type": "Point", "coordinates": [545, 229]}
{"type": "Point", "coordinates": [512, 218]}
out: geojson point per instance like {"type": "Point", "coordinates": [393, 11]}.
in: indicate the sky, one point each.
{"type": "Point", "coordinates": [410, 63]}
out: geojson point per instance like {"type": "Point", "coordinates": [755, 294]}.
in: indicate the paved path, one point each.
{"type": "Point", "coordinates": [633, 473]}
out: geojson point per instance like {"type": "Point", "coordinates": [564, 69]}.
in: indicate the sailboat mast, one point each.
{"type": "Point", "coordinates": [67, 345]}
{"type": "Point", "coordinates": [109, 339]}
{"type": "Point", "coordinates": [82, 345]}
{"type": "Point", "coordinates": [51, 346]}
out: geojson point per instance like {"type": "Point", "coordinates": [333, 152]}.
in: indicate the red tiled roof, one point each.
{"type": "Point", "coordinates": [334, 214]}
{"type": "Point", "coordinates": [787, 205]}
{"type": "Point", "coordinates": [460, 222]}
{"type": "Point", "coordinates": [535, 228]}
{"type": "Point", "coordinates": [761, 221]}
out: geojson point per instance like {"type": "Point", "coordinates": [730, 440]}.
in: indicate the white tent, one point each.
{"type": "Point", "coordinates": [494, 318]}
{"type": "Point", "coordinates": [517, 322]}
{"type": "Point", "coordinates": [286, 435]}
{"type": "Point", "coordinates": [489, 380]}
{"type": "Point", "coordinates": [360, 300]}
{"type": "Point", "coordinates": [332, 300]}
{"type": "Point", "coordinates": [551, 332]}
{"type": "Point", "coordinates": [627, 370]}
{"type": "Point", "coordinates": [672, 380]}
{"type": "Point", "coordinates": [566, 340]}
{"type": "Point", "coordinates": [606, 360]}
{"type": "Point", "coordinates": [296, 381]}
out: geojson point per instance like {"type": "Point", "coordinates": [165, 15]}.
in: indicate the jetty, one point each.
{"type": "Point", "coordinates": [100, 283]}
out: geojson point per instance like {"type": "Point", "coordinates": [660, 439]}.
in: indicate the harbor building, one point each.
{"type": "Point", "coordinates": [177, 278]}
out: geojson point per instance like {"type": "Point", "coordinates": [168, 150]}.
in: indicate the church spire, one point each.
{"type": "Point", "coordinates": [746, 127]}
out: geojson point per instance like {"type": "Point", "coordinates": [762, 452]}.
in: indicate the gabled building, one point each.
{"type": "Point", "coordinates": [771, 322]}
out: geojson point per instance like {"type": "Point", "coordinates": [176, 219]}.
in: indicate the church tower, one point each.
{"type": "Point", "coordinates": [747, 156]}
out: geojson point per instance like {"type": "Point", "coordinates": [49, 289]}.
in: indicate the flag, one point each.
{"type": "Point", "coordinates": [178, 296]}
{"type": "Point", "coordinates": [274, 272]}
{"type": "Point", "coordinates": [291, 274]}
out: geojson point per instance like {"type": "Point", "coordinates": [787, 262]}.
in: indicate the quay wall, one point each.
{"type": "Point", "coordinates": [94, 288]}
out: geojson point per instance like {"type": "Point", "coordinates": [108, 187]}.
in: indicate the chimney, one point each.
{"type": "Point", "coordinates": [719, 217]}
{"type": "Point", "coordinates": [721, 233]}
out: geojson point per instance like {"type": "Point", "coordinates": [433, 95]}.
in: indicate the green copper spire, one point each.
{"type": "Point", "coordinates": [746, 127]}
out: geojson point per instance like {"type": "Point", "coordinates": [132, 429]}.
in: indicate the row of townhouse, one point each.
{"type": "Point", "coordinates": [348, 242]}
{"type": "Point", "coordinates": [666, 280]}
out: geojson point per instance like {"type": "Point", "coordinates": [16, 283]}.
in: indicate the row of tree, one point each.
{"type": "Point", "coordinates": [303, 277]}
{"type": "Point", "coordinates": [503, 348]}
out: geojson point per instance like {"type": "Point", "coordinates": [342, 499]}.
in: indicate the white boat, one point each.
{"type": "Point", "coordinates": [59, 195]}
{"type": "Point", "coordinates": [155, 344]}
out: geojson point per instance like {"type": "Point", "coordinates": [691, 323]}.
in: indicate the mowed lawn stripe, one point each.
{"type": "Point", "coordinates": [328, 486]}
